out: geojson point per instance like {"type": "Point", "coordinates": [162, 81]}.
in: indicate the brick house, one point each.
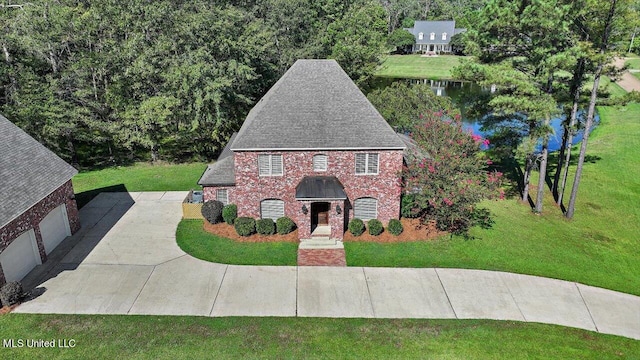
{"type": "Point", "coordinates": [37, 206]}
{"type": "Point", "coordinates": [313, 149]}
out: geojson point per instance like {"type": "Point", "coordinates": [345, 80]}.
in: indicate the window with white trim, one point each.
{"type": "Point", "coordinates": [271, 209]}
{"type": "Point", "coordinates": [367, 164]}
{"type": "Point", "coordinates": [420, 36]}
{"type": "Point", "coordinates": [320, 162]}
{"type": "Point", "coordinates": [222, 195]}
{"type": "Point", "coordinates": [365, 208]}
{"type": "Point", "coordinates": [444, 36]}
{"type": "Point", "coordinates": [270, 165]}
{"type": "Point", "coordinates": [432, 36]}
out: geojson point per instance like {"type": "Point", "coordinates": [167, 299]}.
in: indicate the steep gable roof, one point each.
{"type": "Point", "coordinates": [28, 171]}
{"type": "Point", "coordinates": [315, 105]}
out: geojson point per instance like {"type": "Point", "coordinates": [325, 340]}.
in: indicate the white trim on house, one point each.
{"type": "Point", "coordinates": [271, 209]}
{"type": "Point", "coordinates": [225, 200]}
{"type": "Point", "coordinates": [270, 167]}
{"type": "Point", "coordinates": [367, 164]}
{"type": "Point", "coordinates": [365, 208]}
{"type": "Point", "coordinates": [320, 162]}
{"type": "Point", "coordinates": [322, 149]}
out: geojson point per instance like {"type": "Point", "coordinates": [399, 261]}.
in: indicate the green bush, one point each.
{"type": "Point", "coordinates": [212, 211]}
{"type": "Point", "coordinates": [11, 293]}
{"type": "Point", "coordinates": [285, 225]}
{"type": "Point", "coordinates": [408, 207]}
{"type": "Point", "coordinates": [265, 227]}
{"type": "Point", "coordinates": [356, 227]}
{"type": "Point", "coordinates": [375, 227]}
{"type": "Point", "coordinates": [230, 213]}
{"type": "Point", "coordinates": [245, 226]}
{"type": "Point", "coordinates": [395, 227]}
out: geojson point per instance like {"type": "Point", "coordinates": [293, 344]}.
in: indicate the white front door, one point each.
{"type": "Point", "coordinates": [20, 257]}
{"type": "Point", "coordinates": [54, 228]}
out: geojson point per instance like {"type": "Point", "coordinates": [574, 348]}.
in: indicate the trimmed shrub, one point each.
{"type": "Point", "coordinates": [230, 213]}
{"type": "Point", "coordinates": [395, 227]}
{"type": "Point", "coordinates": [245, 226]}
{"type": "Point", "coordinates": [212, 211]}
{"type": "Point", "coordinates": [266, 227]}
{"type": "Point", "coordinates": [356, 227]}
{"type": "Point", "coordinates": [11, 293]}
{"type": "Point", "coordinates": [285, 225]}
{"type": "Point", "coordinates": [375, 227]}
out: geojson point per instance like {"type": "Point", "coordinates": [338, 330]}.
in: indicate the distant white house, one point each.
{"type": "Point", "coordinates": [433, 36]}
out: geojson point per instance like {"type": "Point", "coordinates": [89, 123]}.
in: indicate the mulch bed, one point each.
{"type": "Point", "coordinates": [413, 231]}
{"type": "Point", "coordinates": [7, 309]}
{"type": "Point", "coordinates": [229, 232]}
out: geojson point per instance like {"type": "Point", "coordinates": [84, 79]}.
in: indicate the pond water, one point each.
{"type": "Point", "coordinates": [462, 93]}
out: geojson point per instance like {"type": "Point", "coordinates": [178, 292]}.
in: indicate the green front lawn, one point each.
{"type": "Point", "coordinates": [181, 337]}
{"type": "Point", "coordinates": [633, 63]}
{"type": "Point", "coordinates": [599, 247]}
{"type": "Point", "coordinates": [138, 177]}
{"type": "Point", "coordinates": [193, 240]}
{"type": "Point", "coordinates": [418, 67]}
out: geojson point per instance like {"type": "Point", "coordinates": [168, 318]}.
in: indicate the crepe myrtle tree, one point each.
{"type": "Point", "coordinates": [447, 174]}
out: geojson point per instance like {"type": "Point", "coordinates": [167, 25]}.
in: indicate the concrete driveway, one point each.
{"type": "Point", "coordinates": [125, 261]}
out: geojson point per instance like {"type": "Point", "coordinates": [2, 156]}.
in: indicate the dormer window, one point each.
{"type": "Point", "coordinates": [432, 36]}
{"type": "Point", "coordinates": [420, 36]}
{"type": "Point", "coordinates": [444, 36]}
{"type": "Point", "coordinates": [320, 162]}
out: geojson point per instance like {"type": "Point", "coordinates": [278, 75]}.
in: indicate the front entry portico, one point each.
{"type": "Point", "coordinates": [323, 199]}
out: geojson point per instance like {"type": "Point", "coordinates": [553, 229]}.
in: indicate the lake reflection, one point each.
{"type": "Point", "coordinates": [462, 94]}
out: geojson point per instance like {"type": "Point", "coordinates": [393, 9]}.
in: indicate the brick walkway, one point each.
{"type": "Point", "coordinates": [321, 257]}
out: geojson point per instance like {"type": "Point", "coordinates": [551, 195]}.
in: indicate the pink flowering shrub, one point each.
{"type": "Point", "coordinates": [447, 175]}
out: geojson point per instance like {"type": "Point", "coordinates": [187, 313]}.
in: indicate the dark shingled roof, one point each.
{"type": "Point", "coordinates": [320, 187]}
{"type": "Point", "coordinates": [436, 27]}
{"type": "Point", "coordinates": [222, 172]}
{"type": "Point", "coordinates": [28, 171]}
{"type": "Point", "coordinates": [315, 105]}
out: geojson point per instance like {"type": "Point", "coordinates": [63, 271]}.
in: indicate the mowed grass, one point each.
{"type": "Point", "coordinates": [599, 247]}
{"type": "Point", "coordinates": [418, 67]}
{"type": "Point", "coordinates": [607, 85]}
{"type": "Point", "coordinates": [138, 177]}
{"type": "Point", "coordinates": [181, 337]}
{"type": "Point", "coordinates": [633, 63]}
{"type": "Point", "coordinates": [193, 240]}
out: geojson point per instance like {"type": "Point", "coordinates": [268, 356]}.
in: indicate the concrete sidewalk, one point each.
{"type": "Point", "coordinates": [126, 261]}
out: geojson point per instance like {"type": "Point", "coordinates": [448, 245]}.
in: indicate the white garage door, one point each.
{"type": "Point", "coordinates": [54, 228]}
{"type": "Point", "coordinates": [20, 257]}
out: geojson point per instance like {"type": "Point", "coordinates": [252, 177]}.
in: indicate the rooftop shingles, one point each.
{"type": "Point", "coordinates": [222, 172]}
{"type": "Point", "coordinates": [28, 171]}
{"type": "Point", "coordinates": [315, 105]}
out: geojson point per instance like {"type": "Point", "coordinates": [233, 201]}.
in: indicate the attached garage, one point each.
{"type": "Point", "coordinates": [20, 257]}
{"type": "Point", "coordinates": [54, 228]}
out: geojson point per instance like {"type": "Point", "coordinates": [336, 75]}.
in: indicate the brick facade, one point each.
{"type": "Point", "coordinates": [251, 188]}
{"type": "Point", "coordinates": [31, 218]}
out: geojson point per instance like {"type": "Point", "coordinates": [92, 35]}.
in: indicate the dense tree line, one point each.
{"type": "Point", "coordinates": [103, 81]}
